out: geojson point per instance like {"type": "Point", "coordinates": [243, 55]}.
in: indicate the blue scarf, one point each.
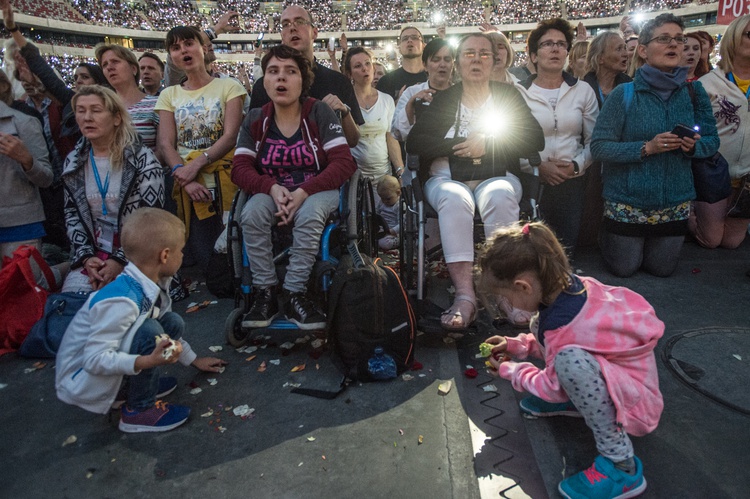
{"type": "Point", "coordinates": [664, 84]}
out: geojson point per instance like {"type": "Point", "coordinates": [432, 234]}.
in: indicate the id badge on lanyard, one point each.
{"type": "Point", "coordinates": [107, 237]}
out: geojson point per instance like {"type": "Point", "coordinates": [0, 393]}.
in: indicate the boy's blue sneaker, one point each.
{"type": "Point", "coordinates": [160, 417]}
{"type": "Point", "coordinates": [604, 481]}
{"type": "Point", "coordinates": [542, 409]}
{"type": "Point", "coordinates": [167, 385]}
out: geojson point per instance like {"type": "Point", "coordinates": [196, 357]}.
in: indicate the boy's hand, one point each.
{"type": "Point", "coordinates": [209, 364]}
{"type": "Point", "coordinates": [156, 358]}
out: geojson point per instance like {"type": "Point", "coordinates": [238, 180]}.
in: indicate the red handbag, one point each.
{"type": "Point", "coordinates": [25, 283]}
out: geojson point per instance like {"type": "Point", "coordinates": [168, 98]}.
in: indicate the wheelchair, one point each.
{"type": "Point", "coordinates": [353, 221]}
{"type": "Point", "coordinates": [414, 254]}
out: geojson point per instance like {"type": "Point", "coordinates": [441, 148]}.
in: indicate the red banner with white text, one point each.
{"type": "Point", "coordinates": [729, 10]}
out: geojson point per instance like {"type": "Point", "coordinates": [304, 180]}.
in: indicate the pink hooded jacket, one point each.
{"type": "Point", "coordinates": [618, 327]}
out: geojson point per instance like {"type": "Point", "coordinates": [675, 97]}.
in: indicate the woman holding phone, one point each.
{"type": "Point", "coordinates": [647, 176]}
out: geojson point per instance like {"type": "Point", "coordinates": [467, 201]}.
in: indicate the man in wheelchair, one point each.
{"type": "Point", "coordinates": [291, 158]}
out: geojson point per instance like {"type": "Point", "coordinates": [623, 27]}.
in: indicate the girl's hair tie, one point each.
{"type": "Point", "coordinates": [525, 230]}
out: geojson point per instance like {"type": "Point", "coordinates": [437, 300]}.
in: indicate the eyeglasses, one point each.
{"type": "Point", "coordinates": [471, 54]}
{"type": "Point", "coordinates": [297, 23]}
{"type": "Point", "coordinates": [666, 39]}
{"type": "Point", "coordinates": [413, 38]}
{"type": "Point", "coordinates": [549, 44]}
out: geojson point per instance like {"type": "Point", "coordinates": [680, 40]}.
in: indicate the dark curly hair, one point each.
{"type": "Point", "coordinates": [303, 63]}
{"type": "Point", "coordinates": [549, 24]}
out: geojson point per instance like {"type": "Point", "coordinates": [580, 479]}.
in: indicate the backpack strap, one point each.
{"type": "Point", "coordinates": [627, 96]}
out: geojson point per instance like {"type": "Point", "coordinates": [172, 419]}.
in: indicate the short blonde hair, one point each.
{"type": "Point", "coordinates": [121, 52]}
{"type": "Point", "coordinates": [148, 231]}
{"type": "Point", "coordinates": [387, 184]}
{"type": "Point", "coordinates": [730, 41]}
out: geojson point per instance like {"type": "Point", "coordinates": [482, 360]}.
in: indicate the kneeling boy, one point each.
{"type": "Point", "coordinates": [113, 335]}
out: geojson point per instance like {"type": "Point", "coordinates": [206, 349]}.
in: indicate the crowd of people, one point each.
{"type": "Point", "coordinates": [362, 15]}
{"type": "Point", "coordinates": [598, 145]}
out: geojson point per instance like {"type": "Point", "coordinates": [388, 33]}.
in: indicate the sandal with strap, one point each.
{"type": "Point", "coordinates": [456, 314]}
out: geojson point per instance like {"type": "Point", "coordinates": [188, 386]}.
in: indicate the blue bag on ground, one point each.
{"type": "Point", "coordinates": [46, 335]}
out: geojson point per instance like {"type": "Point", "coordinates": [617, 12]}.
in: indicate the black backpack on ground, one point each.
{"type": "Point", "coordinates": [369, 308]}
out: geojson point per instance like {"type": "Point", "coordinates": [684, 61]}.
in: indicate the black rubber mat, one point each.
{"type": "Point", "coordinates": [715, 362]}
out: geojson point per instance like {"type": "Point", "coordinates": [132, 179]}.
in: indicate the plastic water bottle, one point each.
{"type": "Point", "coordinates": [381, 365]}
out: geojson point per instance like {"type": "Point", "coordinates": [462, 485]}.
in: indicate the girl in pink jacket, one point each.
{"type": "Point", "coordinates": [598, 345]}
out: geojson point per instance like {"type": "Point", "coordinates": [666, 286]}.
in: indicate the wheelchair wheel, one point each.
{"type": "Point", "coordinates": [408, 238]}
{"type": "Point", "coordinates": [233, 328]}
{"type": "Point", "coordinates": [361, 216]}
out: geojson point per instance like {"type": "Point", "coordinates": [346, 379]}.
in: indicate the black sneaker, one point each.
{"type": "Point", "coordinates": [264, 310]}
{"type": "Point", "coordinates": [301, 311]}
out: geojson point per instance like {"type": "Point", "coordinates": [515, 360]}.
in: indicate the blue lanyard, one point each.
{"type": "Point", "coordinates": [601, 94]}
{"type": "Point", "coordinates": [102, 189]}
{"type": "Point", "coordinates": [731, 78]}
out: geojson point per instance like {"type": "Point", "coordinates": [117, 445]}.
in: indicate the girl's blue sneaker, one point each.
{"type": "Point", "coordinates": [604, 481]}
{"type": "Point", "coordinates": [541, 409]}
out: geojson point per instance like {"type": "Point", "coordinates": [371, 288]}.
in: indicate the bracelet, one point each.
{"type": "Point", "coordinates": [348, 111]}
{"type": "Point", "coordinates": [175, 167]}
{"type": "Point", "coordinates": [208, 158]}
{"type": "Point", "coordinates": [13, 29]}
{"type": "Point", "coordinates": [644, 154]}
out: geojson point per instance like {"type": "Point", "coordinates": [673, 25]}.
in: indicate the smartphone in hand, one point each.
{"type": "Point", "coordinates": [685, 131]}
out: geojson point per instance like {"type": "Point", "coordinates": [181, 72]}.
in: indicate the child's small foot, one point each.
{"type": "Point", "coordinates": [543, 409]}
{"type": "Point", "coordinates": [603, 480]}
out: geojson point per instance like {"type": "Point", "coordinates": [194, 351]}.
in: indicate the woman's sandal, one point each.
{"type": "Point", "coordinates": [456, 314]}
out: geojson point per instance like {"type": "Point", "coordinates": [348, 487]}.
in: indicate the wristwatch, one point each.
{"type": "Point", "coordinates": [576, 169]}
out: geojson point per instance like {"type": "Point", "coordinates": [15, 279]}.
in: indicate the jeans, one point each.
{"type": "Point", "coordinates": [143, 387]}
{"type": "Point", "coordinates": [624, 255]}
{"type": "Point", "coordinates": [258, 218]}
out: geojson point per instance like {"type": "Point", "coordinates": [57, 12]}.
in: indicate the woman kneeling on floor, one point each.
{"type": "Point", "coordinates": [292, 158]}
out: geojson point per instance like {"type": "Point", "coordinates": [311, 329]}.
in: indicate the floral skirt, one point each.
{"type": "Point", "coordinates": [626, 220]}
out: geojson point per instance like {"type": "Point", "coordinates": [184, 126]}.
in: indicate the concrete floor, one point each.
{"type": "Point", "coordinates": [366, 441]}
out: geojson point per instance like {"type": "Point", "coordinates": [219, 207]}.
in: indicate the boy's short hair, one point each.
{"type": "Point", "coordinates": [387, 184]}
{"type": "Point", "coordinates": [147, 231]}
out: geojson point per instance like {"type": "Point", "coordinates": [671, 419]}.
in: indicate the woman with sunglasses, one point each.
{"type": "Point", "coordinates": [469, 141]}
{"type": "Point", "coordinates": [647, 176]}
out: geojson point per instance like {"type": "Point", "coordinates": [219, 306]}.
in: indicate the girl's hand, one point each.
{"type": "Point", "coordinates": [186, 174]}
{"type": "Point", "coordinates": [198, 193]}
{"type": "Point", "coordinates": [499, 342]}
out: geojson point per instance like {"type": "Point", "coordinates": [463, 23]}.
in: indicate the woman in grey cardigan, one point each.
{"type": "Point", "coordinates": [24, 168]}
